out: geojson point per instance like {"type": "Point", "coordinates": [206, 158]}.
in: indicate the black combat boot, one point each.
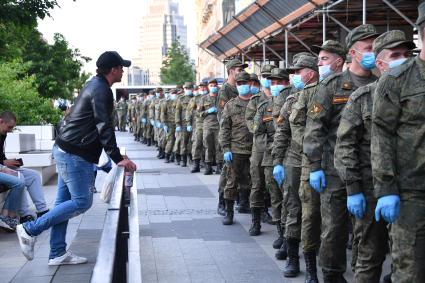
{"type": "Point", "coordinates": [167, 158]}
{"type": "Point", "coordinates": [244, 202]}
{"type": "Point", "coordinates": [184, 160]}
{"type": "Point", "coordinates": [282, 252]}
{"type": "Point", "coordinates": [221, 208]}
{"type": "Point", "coordinates": [172, 157]}
{"type": "Point", "coordinates": [310, 266]}
{"type": "Point", "coordinates": [159, 153]}
{"type": "Point", "coordinates": [266, 217]}
{"type": "Point", "coordinates": [387, 278]}
{"type": "Point", "coordinates": [208, 169]}
{"type": "Point", "coordinates": [162, 153]}
{"type": "Point", "coordinates": [333, 277]}
{"type": "Point", "coordinates": [228, 219]}
{"type": "Point", "coordinates": [149, 142]}
{"type": "Point", "coordinates": [278, 242]}
{"type": "Point", "coordinates": [195, 168]}
{"type": "Point", "coordinates": [292, 268]}
{"type": "Point", "coordinates": [255, 228]}
{"type": "Point", "coordinates": [178, 159]}
{"type": "Point", "coordinates": [219, 168]}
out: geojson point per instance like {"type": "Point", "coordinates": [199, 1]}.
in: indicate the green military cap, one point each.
{"type": "Point", "coordinates": [332, 46]}
{"type": "Point", "coordinates": [202, 83]}
{"type": "Point", "coordinates": [391, 39]}
{"type": "Point", "coordinates": [280, 74]}
{"type": "Point", "coordinates": [298, 55]}
{"type": "Point", "coordinates": [235, 63]}
{"type": "Point", "coordinates": [158, 89]}
{"type": "Point", "coordinates": [254, 77]}
{"type": "Point", "coordinates": [360, 33]}
{"type": "Point", "coordinates": [421, 14]}
{"type": "Point", "coordinates": [266, 70]}
{"type": "Point", "coordinates": [179, 86]}
{"type": "Point", "coordinates": [188, 85]}
{"type": "Point", "coordinates": [242, 77]}
{"type": "Point", "coordinates": [212, 81]}
{"type": "Point", "coordinates": [304, 61]}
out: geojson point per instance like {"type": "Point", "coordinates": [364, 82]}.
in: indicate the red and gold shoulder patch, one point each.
{"type": "Point", "coordinates": [315, 109]}
{"type": "Point", "coordinates": [280, 119]}
{"type": "Point", "coordinates": [267, 118]}
{"type": "Point", "coordinates": [339, 99]}
{"type": "Point", "coordinates": [222, 103]}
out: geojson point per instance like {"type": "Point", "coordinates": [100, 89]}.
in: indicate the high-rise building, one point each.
{"type": "Point", "coordinates": [161, 26]}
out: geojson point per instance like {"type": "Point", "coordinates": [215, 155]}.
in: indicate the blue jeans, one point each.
{"type": "Point", "coordinates": [17, 186]}
{"type": "Point", "coordinates": [74, 196]}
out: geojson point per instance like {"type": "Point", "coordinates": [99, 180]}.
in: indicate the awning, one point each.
{"type": "Point", "coordinates": [258, 21]}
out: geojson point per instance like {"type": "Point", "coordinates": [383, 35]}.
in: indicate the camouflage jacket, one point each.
{"type": "Point", "coordinates": [323, 118]}
{"type": "Point", "coordinates": [210, 120]}
{"type": "Point", "coordinates": [193, 115]}
{"type": "Point", "coordinates": [226, 92]}
{"type": "Point", "coordinates": [168, 112]}
{"type": "Point", "coordinates": [234, 135]}
{"type": "Point", "coordinates": [181, 106]}
{"type": "Point", "coordinates": [122, 107]}
{"type": "Point", "coordinates": [398, 131]}
{"type": "Point", "coordinates": [260, 137]}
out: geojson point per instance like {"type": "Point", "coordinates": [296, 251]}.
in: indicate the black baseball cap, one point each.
{"type": "Point", "coordinates": [110, 59]}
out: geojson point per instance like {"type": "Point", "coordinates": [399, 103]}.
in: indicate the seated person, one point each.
{"type": "Point", "coordinates": [8, 216]}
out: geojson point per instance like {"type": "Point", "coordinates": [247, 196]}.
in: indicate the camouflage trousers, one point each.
{"type": "Point", "coordinates": [310, 217]}
{"type": "Point", "coordinates": [223, 178]}
{"type": "Point", "coordinates": [333, 208]}
{"type": "Point", "coordinates": [170, 139]}
{"type": "Point", "coordinates": [293, 203]}
{"type": "Point", "coordinates": [148, 131]}
{"type": "Point", "coordinates": [238, 177]}
{"type": "Point", "coordinates": [122, 122]}
{"type": "Point", "coordinates": [177, 142]}
{"type": "Point", "coordinates": [279, 212]}
{"type": "Point", "coordinates": [372, 244]}
{"type": "Point", "coordinates": [212, 146]}
{"type": "Point", "coordinates": [185, 143]}
{"type": "Point", "coordinates": [197, 143]}
{"type": "Point", "coordinates": [258, 190]}
{"type": "Point", "coordinates": [162, 138]}
{"type": "Point", "coordinates": [408, 240]}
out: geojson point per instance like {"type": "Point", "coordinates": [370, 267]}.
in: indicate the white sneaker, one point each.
{"type": "Point", "coordinates": [6, 226]}
{"type": "Point", "coordinates": [67, 258]}
{"type": "Point", "coordinates": [26, 242]}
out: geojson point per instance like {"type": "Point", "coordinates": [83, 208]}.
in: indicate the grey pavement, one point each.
{"type": "Point", "coordinates": [181, 236]}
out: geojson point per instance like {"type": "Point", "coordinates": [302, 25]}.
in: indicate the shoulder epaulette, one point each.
{"type": "Point", "coordinates": [265, 102]}
{"type": "Point", "coordinates": [330, 78]}
{"type": "Point", "coordinates": [360, 92]}
{"type": "Point", "coordinates": [311, 85]}
{"type": "Point", "coordinates": [256, 96]}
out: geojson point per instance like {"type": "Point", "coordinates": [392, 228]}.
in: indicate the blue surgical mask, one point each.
{"type": "Point", "coordinates": [298, 82]}
{"type": "Point", "coordinates": [173, 96]}
{"type": "Point", "coordinates": [368, 60]}
{"type": "Point", "coordinates": [203, 92]}
{"type": "Point", "coordinates": [255, 89]}
{"type": "Point", "coordinates": [188, 92]}
{"type": "Point", "coordinates": [325, 71]}
{"type": "Point", "coordinates": [265, 83]}
{"type": "Point", "coordinates": [276, 89]}
{"type": "Point", "coordinates": [157, 94]}
{"type": "Point", "coordinates": [167, 95]}
{"type": "Point", "coordinates": [196, 93]}
{"type": "Point", "coordinates": [396, 63]}
{"type": "Point", "coordinates": [214, 89]}
{"type": "Point", "coordinates": [243, 90]}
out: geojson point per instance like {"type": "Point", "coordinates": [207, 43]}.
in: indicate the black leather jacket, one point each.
{"type": "Point", "coordinates": [88, 128]}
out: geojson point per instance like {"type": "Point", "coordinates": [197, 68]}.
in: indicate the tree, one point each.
{"type": "Point", "coordinates": [176, 67]}
{"type": "Point", "coordinates": [18, 93]}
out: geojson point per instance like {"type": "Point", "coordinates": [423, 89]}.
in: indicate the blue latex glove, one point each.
{"type": "Point", "coordinates": [144, 120]}
{"type": "Point", "coordinates": [158, 124]}
{"type": "Point", "coordinates": [189, 129]}
{"type": "Point", "coordinates": [317, 180]}
{"type": "Point", "coordinates": [388, 207]}
{"type": "Point", "coordinates": [152, 122]}
{"type": "Point", "coordinates": [279, 174]}
{"type": "Point", "coordinates": [166, 129]}
{"type": "Point", "coordinates": [356, 205]}
{"type": "Point", "coordinates": [178, 129]}
{"type": "Point", "coordinates": [212, 110]}
{"type": "Point", "coordinates": [228, 156]}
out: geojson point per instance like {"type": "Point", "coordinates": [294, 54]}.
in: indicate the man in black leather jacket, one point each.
{"type": "Point", "coordinates": [86, 131]}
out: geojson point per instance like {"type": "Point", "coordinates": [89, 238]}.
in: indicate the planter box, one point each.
{"type": "Point", "coordinates": [19, 142]}
{"type": "Point", "coordinates": [45, 132]}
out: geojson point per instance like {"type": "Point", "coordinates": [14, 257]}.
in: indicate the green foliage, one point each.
{"type": "Point", "coordinates": [176, 67]}
{"type": "Point", "coordinates": [18, 93]}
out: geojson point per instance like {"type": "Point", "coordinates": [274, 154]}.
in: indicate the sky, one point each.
{"type": "Point", "coordinates": [94, 26]}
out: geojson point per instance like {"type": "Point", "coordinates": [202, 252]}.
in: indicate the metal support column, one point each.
{"type": "Point", "coordinates": [364, 12]}
{"type": "Point", "coordinates": [286, 48]}
{"type": "Point", "coordinates": [400, 13]}
{"type": "Point", "coordinates": [264, 51]}
{"type": "Point", "coordinates": [324, 27]}
{"type": "Point", "coordinates": [339, 23]}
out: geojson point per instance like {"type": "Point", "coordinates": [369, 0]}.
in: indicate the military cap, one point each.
{"type": "Point", "coordinates": [254, 77]}
{"type": "Point", "coordinates": [332, 46]}
{"type": "Point", "coordinates": [188, 85]}
{"type": "Point", "coordinates": [212, 81]}
{"type": "Point", "coordinates": [360, 33]}
{"type": "Point", "coordinates": [280, 74]}
{"type": "Point", "coordinates": [266, 70]}
{"type": "Point", "coordinates": [298, 55]}
{"type": "Point", "coordinates": [158, 89]}
{"type": "Point", "coordinates": [305, 62]}
{"type": "Point", "coordinates": [235, 63]}
{"type": "Point", "coordinates": [421, 14]}
{"type": "Point", "coordinates": [391, 39]}
{"type": "Point", "coordinates": [242, 77]}
{"type": "Point", "coordinates": [173, 91]}
{"type": "Point", "coordinates": [202, 83]}
{"type": "Point", "coordinates": [179, 86]}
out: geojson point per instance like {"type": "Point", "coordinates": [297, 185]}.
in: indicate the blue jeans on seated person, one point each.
{"type": "Point", "coordinates": [74, 197]}
{"type": "Point", "coordinates": [14, 197]}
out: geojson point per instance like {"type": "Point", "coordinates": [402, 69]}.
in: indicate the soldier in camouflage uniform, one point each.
{"type": "Point", "coordinates": [398, 167]}
{"type": "Point", "coordinates": [287, 145]}
{"type": "Point", "coordinates": [139, 103]}
{"type": "Point", "coordinates": [115, 117]}
{"type": "Point", "coordinates": [195, 123]}
{"type": "Point", "coordinates": [236, 141]}
{"type": "Point", "coordinates": [181, 122]}
{"type": "Point", "coordinates": [131, 115]}
{"type": "Point", "coordinates": [352, 152]}
{"type": "Point", "coordinates": [122, 113]}
{"type": "Point", "coordinates": [159, 131]}
{"type": "Point", "coordinates": [178, 135]}
{"type": "Point", "coordinates": [168, 116]}
{"type": "Point", "coordinates": [148, 133]}
{"type": "Point", "coordinates": [319, 141]}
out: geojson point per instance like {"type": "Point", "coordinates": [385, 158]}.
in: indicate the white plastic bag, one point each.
{"type": "Point", "coordinates": [103, 159]}
{"type": "Point", "coordinates": [108, 185]}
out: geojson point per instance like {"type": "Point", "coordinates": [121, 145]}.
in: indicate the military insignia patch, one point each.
{"type": "Point", "coordinates": [339, 99]}
{"type": "Point", "coordinates": [267, 118]}
{"type": "Point", "coordinates": [315, 109]}
{"type": "Point", "coordinates": [222, 103]}
{"type": "Point", "coordinates": [280, 119]}
{"type": "Point", "coordinates": [347, 85]}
